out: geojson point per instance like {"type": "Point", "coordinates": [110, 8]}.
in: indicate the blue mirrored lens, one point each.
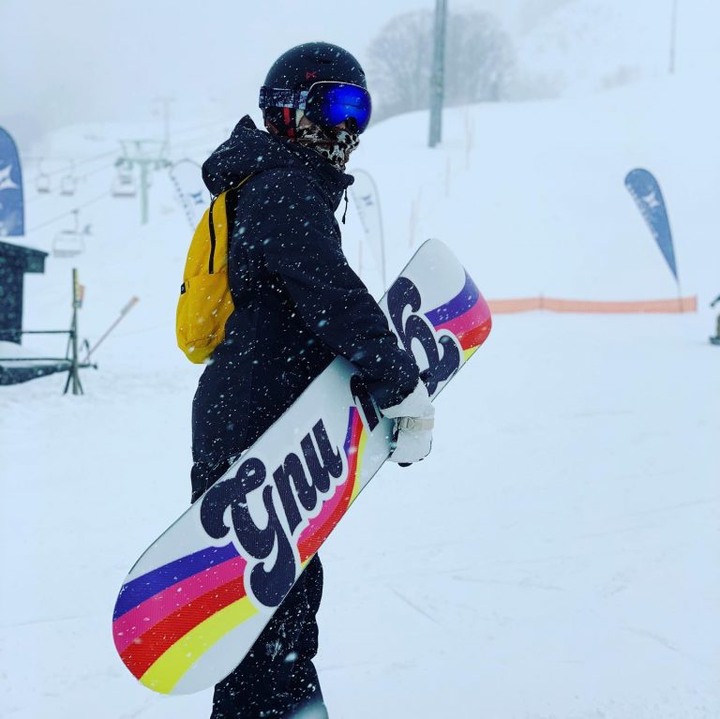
{"type": "Point", "coordinates": [330, 103]}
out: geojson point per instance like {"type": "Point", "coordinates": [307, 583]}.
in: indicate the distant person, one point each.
{"type": "Point", "coordinates": [297, 306]}
{"type": "Point", "coordinates": [717, 326]}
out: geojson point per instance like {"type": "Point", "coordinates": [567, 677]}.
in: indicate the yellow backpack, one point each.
{"type": "Point", "coordinates": [205, 302]}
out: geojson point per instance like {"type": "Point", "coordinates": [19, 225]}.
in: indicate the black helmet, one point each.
{"type": "Point", "coordinates": [303, 65]}
{"type": "Point", "coordinates": [324, 81]}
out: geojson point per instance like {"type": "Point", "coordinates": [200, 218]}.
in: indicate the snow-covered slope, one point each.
{"type": "Point", "coordinates": [592, 45]}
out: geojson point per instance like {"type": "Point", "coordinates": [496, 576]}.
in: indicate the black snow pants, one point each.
{"type": "Point", "coordinates": [277, 678]}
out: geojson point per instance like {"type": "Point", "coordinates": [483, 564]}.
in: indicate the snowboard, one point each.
{"type": "Point", "coordinates": [196, 600]}
{"type": "Point", "coordinates": [714, 340]}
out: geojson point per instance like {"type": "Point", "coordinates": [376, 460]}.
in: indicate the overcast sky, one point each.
{"type": "Point", "coordinates": [63, 62]}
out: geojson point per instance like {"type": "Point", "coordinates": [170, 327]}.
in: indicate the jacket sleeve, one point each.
{"type": "Point", "coordinates": [302, 247]}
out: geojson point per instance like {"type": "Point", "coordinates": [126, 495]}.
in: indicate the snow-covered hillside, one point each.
{"type": "Point", "coordinates": [556, 557]}
{"type": "Point", "coordinates": [593, 45]}
{"type": "Point", "coordinates": [576, 47]}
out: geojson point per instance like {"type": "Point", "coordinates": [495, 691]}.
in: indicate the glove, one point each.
{"type": "Point", "coordinates": [414, 423]}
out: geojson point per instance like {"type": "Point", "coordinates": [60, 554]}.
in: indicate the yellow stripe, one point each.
{"type": "Point", "coordinates": [467, 354]}
{"type": "Point", "coordinates": [360, 450]}
{"type": "Point", "coordinates": [167, 671]}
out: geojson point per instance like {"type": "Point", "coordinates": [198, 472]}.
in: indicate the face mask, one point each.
{"type": "Point", "coordinates": [333, 144]}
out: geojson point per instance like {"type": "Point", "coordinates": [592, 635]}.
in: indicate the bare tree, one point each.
{"type": "Point", "coordinates": [399, 64]}
{"type": "Point", "coordinates": [479, 61]}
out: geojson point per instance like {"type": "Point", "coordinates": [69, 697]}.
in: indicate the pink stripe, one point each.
{"type": "Point", "coordinates": [463, 323]}
{"type": "Point", "coordinates": [317, 523]}
{"type": "Point", "coordinates": [136, 622]}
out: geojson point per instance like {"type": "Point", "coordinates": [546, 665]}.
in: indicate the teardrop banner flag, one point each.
{"type": "Point", "coordinates": [646, 192]}
{"type": "Point", "coordinates": [194, 197]}
{"type": "Point", "coordinates": [367, 201]}
{"type": "Point", "coordinates": [12, 213]}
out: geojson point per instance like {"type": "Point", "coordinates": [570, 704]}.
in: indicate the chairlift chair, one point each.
{"type": "Point", "coordinates": [68, 243]}
{"type": "Point", "coordinates": [68, 184]}
{"type": "Point", "coordinates": [42, 183]}
{"type": "Point", "coordinates": [124, 185]}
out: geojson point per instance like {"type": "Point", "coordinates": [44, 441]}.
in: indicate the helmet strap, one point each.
{"type": "Point", "coordinates": [281, 121]}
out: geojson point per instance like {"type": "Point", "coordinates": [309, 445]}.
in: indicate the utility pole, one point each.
{"type": "Point", "coordinates": [437, 77]}
{"type": "Point", "coordinates": [149, 156]}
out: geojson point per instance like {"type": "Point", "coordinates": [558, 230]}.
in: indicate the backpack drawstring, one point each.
{"type": "Point", "coordinates": [346, 206]}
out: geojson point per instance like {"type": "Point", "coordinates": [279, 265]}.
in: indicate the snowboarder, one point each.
{"type": "Point", "coordinates": [717, 327]}
{"type": "Point", "coordinates": [298, 304]}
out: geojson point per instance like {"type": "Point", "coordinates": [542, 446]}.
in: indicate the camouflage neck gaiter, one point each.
{"type": "Point", "coordinates": [334, 145]}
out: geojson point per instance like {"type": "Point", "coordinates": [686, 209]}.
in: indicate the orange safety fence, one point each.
{"type": "Point", "coordinates": [551, 304]}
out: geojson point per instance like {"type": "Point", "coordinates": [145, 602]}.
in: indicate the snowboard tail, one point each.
{"type": "Point", "coordinates": [199, 596]}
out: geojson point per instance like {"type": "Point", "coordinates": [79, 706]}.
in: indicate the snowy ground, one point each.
{"type": "Point", "coordinates": [556, 557]}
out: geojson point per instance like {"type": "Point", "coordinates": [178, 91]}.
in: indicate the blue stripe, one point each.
{"type": "Point", "coordinates": [465, 300]}
{"type": "Point", "coordinates": [148, 585]}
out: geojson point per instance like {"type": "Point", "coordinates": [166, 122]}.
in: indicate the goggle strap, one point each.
{"type": "Point", "coordinates": [282, 97]}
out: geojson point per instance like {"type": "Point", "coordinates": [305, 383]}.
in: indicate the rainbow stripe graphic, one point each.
{"type": "Point", "coordinates": [466, 315]}
{"type": "Point", "coordinates": [166, 619]}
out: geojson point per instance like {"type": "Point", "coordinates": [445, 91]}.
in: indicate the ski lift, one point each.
{"type": "Point", "coordinates": [68, 184]}
{"type": "Point", "coordinates": [68, 243]}
{"type": "Point", "coordinates": [42, 182]}
{"type": "Point", "coordinates": [124, 184]}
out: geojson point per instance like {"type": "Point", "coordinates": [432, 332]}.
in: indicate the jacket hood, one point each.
{"type": "Point", "coordinates": [249, 150]}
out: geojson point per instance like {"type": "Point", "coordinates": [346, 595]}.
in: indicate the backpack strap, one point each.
{"type": "Point", "coordinates": [231, 197]}
{"type": "Point", "coordinates": [231, 208]}
{"type": "Point", "coordinates": [213, 240]}
{"type": "Point", "coordinates": [230, 211]}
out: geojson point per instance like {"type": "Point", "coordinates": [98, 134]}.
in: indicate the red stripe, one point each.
{"type": "Point", "coordinates": [310, 542]}
{"type": "Point", "coordinates": [309, 545]}
{"type": "Point", "coordinates": [148, 648]}
{"type": "Point", "coordinates": [476, 336]}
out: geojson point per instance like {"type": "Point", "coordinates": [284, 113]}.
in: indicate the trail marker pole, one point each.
{"type": "Point", "coordinates": [133, 301]}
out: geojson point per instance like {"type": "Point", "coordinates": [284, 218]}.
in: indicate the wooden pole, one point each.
{"type": "Point", "coordinates": [73, 380]}
{"type": "Point", "coordinates": [133, 301]}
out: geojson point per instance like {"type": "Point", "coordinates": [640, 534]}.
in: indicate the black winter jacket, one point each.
{"type": "Point", "coordinates": [297, 302]}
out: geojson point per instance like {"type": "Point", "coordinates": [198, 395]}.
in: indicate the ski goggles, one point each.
{"type": "Point", "coordinates": [326, 103]}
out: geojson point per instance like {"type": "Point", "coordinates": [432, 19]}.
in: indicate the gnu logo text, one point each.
{"type": "Point", "coordinates": [302, 481]}
{"type": "Point", "coordinates": [442, 354]}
